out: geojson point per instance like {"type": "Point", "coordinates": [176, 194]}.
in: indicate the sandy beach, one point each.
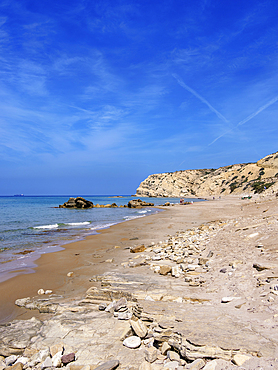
{"type": "Point", "coordinates": [233, 279]}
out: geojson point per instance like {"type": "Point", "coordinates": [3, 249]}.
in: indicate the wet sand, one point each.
{"type": "Point", "coordinates": [88, 257]}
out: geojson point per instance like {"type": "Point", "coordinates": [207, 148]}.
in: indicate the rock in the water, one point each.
{"type": "Point", "coordinates": [138, 203]}
{"type": "Point", "coordinates": [132, 342]}
{"type": "Point", "coordinates": [78, 202]}
{"type": "Point", "coordinates": [40, 291]}
{"type": "Point", "coordinates": [139, 328]}
{"type": "Point", "coordinates": [109, 365]}
{"type": "Point", "coordinates": [66, 359]}
{"type": "Point", "coordinates": [151, 354]}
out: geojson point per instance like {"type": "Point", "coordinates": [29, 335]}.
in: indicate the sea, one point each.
{"type": "Point", "coordinates": [34, 225]}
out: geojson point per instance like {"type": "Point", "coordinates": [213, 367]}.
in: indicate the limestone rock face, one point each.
{"type": "Point", "coordinates": [249, 178]}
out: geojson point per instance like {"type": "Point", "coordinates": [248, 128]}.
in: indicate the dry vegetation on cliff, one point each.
{"type": "Point", "coordinates": [246, 178]}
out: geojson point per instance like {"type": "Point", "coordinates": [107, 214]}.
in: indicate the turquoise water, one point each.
{"type": "Point", "coordinates": [31, 226]}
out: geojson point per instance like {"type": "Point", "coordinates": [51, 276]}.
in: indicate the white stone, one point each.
{"type": "Point", "coordinates": [211, 365]}
{"type": "Point", "coordinates": [172, 365]}
{"type": "Point", "coordinates": [196, 365]}
{"type": "Point", "coordinates": [148, 298]}
{"type": "Point", "coordinates": [48, 291]}
{"type": "Point", "coordinates": [239, 359]}
{"type": "Point", "coordinates": [10, 360]}
{"type": "Point", "coordinates": [23, 360]}
{"type": "Point", "coordinates": [46, 363]}
{"type": "Point", "coordinates": [40, 291]}
{"type": "Point", "coordinates": [69, 274]}
{"type": "Point", "coordinates": [132, 342]}
{"type": "Point", "coordinates": [56, 359]}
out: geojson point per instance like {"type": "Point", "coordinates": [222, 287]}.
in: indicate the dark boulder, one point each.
{"type": "Point", "coordinates": [78, 202]}
{"type": "Point", "coordinates": [138, 203]}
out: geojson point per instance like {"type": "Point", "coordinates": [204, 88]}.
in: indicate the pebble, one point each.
{"type": "Point", "coordinates": [196, 365]}
{"type": "Point", "coordinates": [109, 365]}
{"type": "Point", "coordinates": [139, 328]}
{"type": "Point", "coordinates": [11, 360]}
{"type": "Point", "coordinates": [145, 366]}
{"type": "Point", "coordinates": [132, 342]}
{"type": "Point", "coordinates": [239, 359]}
{"type": "Point", "coordinates": [165, 347]}
{"type": "Point", "coordinates": [151, 354]}
{"type": "Point", "coordinates": [66, 359]}
{"type": "Point", "coordinates": [57, 359]}
{"type": "Point", "coordinates": [173, 356]}
{"type": "Point", "coordinates": [46, 363]}
{"type": "Point", "coordinates": [172, 365]}
{"type": "Point", "coordinates": [40, 291]}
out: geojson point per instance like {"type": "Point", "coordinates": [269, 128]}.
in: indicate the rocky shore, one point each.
{"type": "Point", "coordinates": [198, 297]}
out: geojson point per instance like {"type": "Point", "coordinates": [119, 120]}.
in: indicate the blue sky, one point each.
{"type": "Point", "coordinates": [97, 95]}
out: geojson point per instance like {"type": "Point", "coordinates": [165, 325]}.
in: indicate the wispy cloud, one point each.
{"type": "Point", "coordinates": [198, 96]}
{"type": "Point", "coordinates": [272, 101]}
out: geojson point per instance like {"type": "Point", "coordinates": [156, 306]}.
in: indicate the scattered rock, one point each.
{"type": "Point", "coordinates": [109, 365]}
{"type": "Point", "coordinates": [165, 347]}
{"type": "Point", "coordinates": [139, 328]}
{"type": "Point", "coordinates": [196, 365]}
{"type": "Point", "coordinates": [165, 269]}
{"type": "Point", "coordinates": [151, 354]}
{"type": "Point", "coordinates": [132, 342]}
{"type": "Point", "coordinates": [11, 360]}
{"type": "Point", "coordinates": [138, 248]}
{"type": "Point", "coordinates": [145, 366]}
{"type": "Point", "coordinates": [239, 359]}
{"type": "Point", "coordinates": [66, 359]}
{"type": "Point", "coordinates": [18, 366]}
{"type": "Point", "coordinates": [173, 356]}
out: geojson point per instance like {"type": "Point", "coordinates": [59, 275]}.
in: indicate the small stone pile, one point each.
{"type": "Point", "coordinates": [165, 348]}
{"type": "Point", "coordinates": [182, 255]}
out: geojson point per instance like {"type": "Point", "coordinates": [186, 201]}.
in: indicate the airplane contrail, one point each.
{"type": "Point", "coordinates": [203, 100]}
{"type": "Point", "coordinates": [272, 101]}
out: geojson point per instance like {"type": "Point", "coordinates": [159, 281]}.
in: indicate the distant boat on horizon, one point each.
{"type": "Point", "coordinates": [19, 195]}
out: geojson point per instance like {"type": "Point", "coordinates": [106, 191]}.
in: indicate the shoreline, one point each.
{"type": "Point", "coordinates": [206, 270]}
{"type": "Point", "coordinates": [52, 268]}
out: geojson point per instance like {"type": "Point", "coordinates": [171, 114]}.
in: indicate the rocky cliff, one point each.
{"type": "Point", "coordinates": [246, 178]}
